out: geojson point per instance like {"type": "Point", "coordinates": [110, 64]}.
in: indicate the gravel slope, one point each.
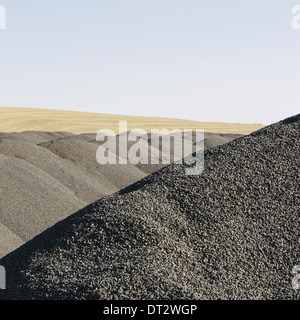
{"type": "Point", "coordinates": [231, 233]}
{"type": "Point", "coordinates": [47, 176]}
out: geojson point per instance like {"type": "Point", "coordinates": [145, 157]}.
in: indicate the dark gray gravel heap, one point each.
{"type": "Point", "coordinates": [47, 176]}
{"type": "Point", "coordinates": [231, 233]}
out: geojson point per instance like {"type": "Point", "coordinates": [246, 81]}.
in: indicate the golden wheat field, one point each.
{"type": "Point", "coordinates": [34, 119]}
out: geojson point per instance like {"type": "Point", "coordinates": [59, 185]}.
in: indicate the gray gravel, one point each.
{"type": "Point", "coordinates": [231, 233]}
{"type": "Point", "coordinates": [47, 176]}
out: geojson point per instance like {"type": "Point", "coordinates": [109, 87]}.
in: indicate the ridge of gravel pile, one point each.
{"type": "Point", "coordinates": [230, 233]}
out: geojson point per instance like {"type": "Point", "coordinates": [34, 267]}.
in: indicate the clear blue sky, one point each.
{"type": "Point", "coordinates": [216, 60]}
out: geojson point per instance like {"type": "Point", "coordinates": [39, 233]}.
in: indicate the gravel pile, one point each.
{"type": "Point", "coordinates": [47, 176]}
{"type": "Point", "coordinates": [231, 233]}
{"type": "Point", "coordinates": [39, 187]}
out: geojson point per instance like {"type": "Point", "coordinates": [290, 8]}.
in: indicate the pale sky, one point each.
{"type": "Point", "coordinates": [216, 60]}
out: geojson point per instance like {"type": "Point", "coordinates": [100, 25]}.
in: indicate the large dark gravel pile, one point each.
{"type": "Point", "coordinates": [231, 233]}
{"type": "Point", "coordinates": [47, 176]}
